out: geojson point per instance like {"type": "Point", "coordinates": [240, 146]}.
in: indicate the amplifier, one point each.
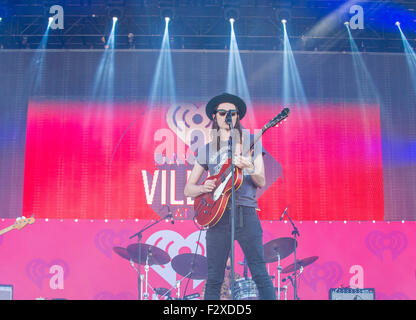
{"type": "Point", "coordinates": [6, 292]}
{"type": "Point", "coordinates": [352, 294]}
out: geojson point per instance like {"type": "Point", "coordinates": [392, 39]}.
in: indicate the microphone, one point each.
{"type": "Point", "coordinates": [283, 214]}
{"type": "Point", "coordinates": [171, 216]}
{"type": "Point", "coordinates": [229, 118]}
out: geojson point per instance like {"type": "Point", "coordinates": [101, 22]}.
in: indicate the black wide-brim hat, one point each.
{"type": "Point", "coordinates": [226, 97]}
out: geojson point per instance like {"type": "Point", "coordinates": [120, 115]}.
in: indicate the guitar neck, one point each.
{"type": "Point", "coordinates": [6, 230]}
{"type": "Point", "coordinates": [256, 138]}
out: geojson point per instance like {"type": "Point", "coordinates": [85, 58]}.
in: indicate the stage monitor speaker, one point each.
{"type": "Point", "coordinates": [6, 292]}
{"type": "Point", "coordinates": [352, 294]}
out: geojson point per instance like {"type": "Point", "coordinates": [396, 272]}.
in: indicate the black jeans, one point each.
{"type": "Point", "coordinates": [249, 234]}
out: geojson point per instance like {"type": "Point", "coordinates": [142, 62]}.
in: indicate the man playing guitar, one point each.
{"type": "Point", "coordinates": [248, 231]}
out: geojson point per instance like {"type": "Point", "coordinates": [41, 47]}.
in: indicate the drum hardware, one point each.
{"type": "Point", "coordinates": [276, 250]}
{"type": "Point", "coordinates": [163, 292]}
{"type": "Point", "coordinates": [295, 234]}
{"type": "Point", "coordinates": [284, 288]}
{"type": "Point", "coordinates": [244, 263]}
{"type": "Point", "coordinates": [190, 266]}
{"type": "Point", "coordinates": [178, 288]}
{"type": "Point", "coordinates": [293, 280]}
{"type": "Point", "coordinates": [300, 265]}
{"type": "Point", "coordinates": [136, 249]}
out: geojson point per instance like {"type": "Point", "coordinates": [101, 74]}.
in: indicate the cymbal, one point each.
{"type": "Point", "coordinates": [122, 252]}
{"type": "Point", "coordinates": [283, 246]}
{"type": "Point", "coordinates": [300, 263]}
{"type": "Point", "coordinates": [156, 255]}
{"type": "Point", "coordinates": [182, 265]}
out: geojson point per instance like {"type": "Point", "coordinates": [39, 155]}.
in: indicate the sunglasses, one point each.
{"type": "Point", "coordinates": [223, 112]}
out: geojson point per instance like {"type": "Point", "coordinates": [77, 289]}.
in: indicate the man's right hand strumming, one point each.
{"type": "Point", "coordinates": [208, 186]}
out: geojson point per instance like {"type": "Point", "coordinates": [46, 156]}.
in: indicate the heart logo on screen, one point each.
{"type": "Point", "coordinates": [329, 273]}
{"type": "Point", "coordinates": [38, 270]}
{"type": "Point", "coordinates": [189, 123]}
{"type": "Point", "coordinates": [106, 239]}
{"type": "Point", "coordinates": [378, 242]}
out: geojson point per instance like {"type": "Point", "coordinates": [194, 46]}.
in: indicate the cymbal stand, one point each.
{"type": "Point", "coordinates": [295, 234]}
{"type": "Point", "coordinates": [284, 288]}
{"type": "Point", "coordinates": [293, 281]}
{"type": "Point", "coordinates": [146, 271]}
{"type": "Point", "coordinates": [178, 292]}
{"type": "Point", "coordinates": [177, 286]}
{"type": "Point", "coordinates": [279, 270]}
{"type": "Point", "coordinates": [139, 236]}
{"type": "Point", "coordinates": [141, 282]}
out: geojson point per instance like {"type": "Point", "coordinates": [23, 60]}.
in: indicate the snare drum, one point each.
{"type": "Point", "coordinates": [245, 289]}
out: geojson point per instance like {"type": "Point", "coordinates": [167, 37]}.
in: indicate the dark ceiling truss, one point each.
{"type": "Point", "coordinates": [196, 24]}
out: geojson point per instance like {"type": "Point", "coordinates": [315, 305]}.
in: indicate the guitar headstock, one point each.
{"type": "Point", "coordinates": [21, 222]}
{"type": "Point", "coordinates": [277, 119]}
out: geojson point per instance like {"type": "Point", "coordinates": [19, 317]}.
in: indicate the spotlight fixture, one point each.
{"type": "Point", "coordinates": [115, 12]}
{"type": "Point", "coordinates": [1, 19]}
{"type": "Point", "coordinates": [346, 23]}
{"type": "Point", "coordinates": [115, 19]}
{"type": "Point", "coordinates": [232, 20]}
{"type": "Point", "coordinates": [231, 13]}
{"type": "Point", "coordinates": [397, 23]}
{"type": "Point", "coordinates": [50, 21]}
{"type": "Point", "coordinates": [283, 14]}
{"type": "Point", "coordinates": [167, 14]}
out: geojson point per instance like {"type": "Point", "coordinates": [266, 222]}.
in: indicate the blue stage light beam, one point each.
{"type": "Point", "coordinates": [102, 92]}
{"type": "Point", "coordinates": [163, 89]}
{"type": "Point", "coordinates": [236, 79]}
{"type": "Point", "coordinates": [293, 93]}
{"type": "Point", "coordinates": [410, 56]}
{"type": "Point", "coordinates": [103, 86]}
{"type": "Point", "coordinates": [38, 61]}
{"type": "Point", "coordinates": [367, 91]}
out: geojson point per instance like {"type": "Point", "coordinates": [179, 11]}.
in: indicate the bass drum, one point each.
{"type": "Point", "coordinates": [245, 289]}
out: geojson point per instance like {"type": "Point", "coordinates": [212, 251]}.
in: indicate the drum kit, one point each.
{"type": "Point", "coordinates": [188, 265]}
{"type": "Point", "coordinates": [194, 266]}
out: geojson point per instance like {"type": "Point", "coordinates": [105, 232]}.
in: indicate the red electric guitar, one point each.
{"type": "Point", "coordinates": [209, 207]}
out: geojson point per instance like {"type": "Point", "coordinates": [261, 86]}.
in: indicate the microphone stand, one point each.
{"type": "Point", "coordinates": [139, 237]}
{"type": "Point", "coordinates": [295, 233]}
{"type": "Point", "coordinates": [229, 121]}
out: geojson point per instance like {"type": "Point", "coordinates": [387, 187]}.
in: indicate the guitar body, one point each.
{"type": "Point", "coordinates": [210, 207]}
